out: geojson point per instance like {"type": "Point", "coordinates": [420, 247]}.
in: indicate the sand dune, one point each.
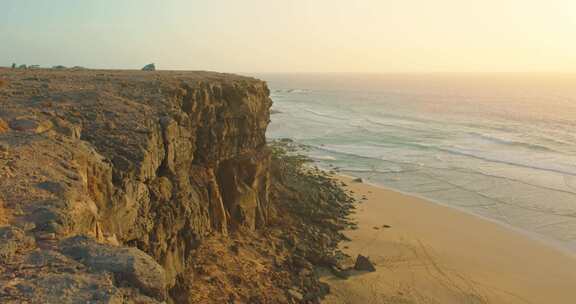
{"type": "Point", "coordinates": [433, 254]}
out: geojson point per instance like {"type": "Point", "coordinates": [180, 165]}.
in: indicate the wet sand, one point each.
{"type": "Point", "coordinates": [428, 253]}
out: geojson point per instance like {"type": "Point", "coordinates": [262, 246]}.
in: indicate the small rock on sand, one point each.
{"type": "Point", "coordinates": [364, 264]}
{"type": "Point", "coordinates": [358, 180]}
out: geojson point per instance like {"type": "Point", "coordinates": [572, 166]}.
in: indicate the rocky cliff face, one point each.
{"type": "Point", "coordinates": [156, 161]}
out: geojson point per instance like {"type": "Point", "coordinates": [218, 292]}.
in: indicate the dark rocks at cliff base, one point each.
{"type": "Point", "coordinates": [364, 264]}
{"type": "Point", "coordinates": [340, 273]}
{"type": "Point", "coordinates": [320, 292]}
{"type": "Point", "coordinates": [317, 207]}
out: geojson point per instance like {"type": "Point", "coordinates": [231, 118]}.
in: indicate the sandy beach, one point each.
{"type": "Point", "coordinates": [428, 253]}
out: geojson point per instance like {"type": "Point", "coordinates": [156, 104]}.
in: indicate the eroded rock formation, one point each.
{"type": "Point", "coordinates": [156, 161]}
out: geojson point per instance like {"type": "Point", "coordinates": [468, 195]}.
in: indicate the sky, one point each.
{"type": "Point", "coordinates": [256, 36]}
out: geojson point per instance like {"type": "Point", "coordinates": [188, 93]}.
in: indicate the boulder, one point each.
{"type": "Point", "coordinates": [30, 125]}
{"type": "Point", "coordinates": [364, 264]}
{"type": "Point", "coordinates": [149, 67]}
{"type": "Point", "coordinates": [358, 180]}
{"type": "Point", "coordinates": [65, 288]}
{"type": "Point", "coordinates": [24, 124]}
{"type": "Point", "coordinates": [47, 276]}
{"type": "Point", "coordinates": [295, 294]}
{"type": "Point", "coordinates": [130, 266]}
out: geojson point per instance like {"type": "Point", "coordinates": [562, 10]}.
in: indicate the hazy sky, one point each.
{"type": "Point", "coordinates": [293, 35]}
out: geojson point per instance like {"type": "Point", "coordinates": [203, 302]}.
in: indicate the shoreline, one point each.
{"type": "Point", "coordinates": [557, 245]}
{"type": "Point", "coordinates": [433, 253]}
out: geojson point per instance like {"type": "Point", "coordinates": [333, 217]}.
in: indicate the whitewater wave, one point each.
{"type": "Point", "coordinates": [508, 162]}
{"type": "Point", "coordinates": [373, 171]}
{"type": "Point", "coordinates": [406, 168]}
{"type": "Point", "coordinates": [515, 143]}
{"type": "Point", "coordinates": [437, 133]}
{"type": "Point", "coordinates": [392, 125]}
{"type": "Point", "coordinates": [458, 152]}
{"type": "Point", "coordinates": [292, 91]}
{"type": "Point", "coordinates": [320, 114]}
{"type": "Point", "coordinates": [405, 118]}
{"type": "Point", "coordinates": [323, 157]}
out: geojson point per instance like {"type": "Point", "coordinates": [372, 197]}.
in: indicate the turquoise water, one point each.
{"type": "Point", "coordinates": [499, 146]}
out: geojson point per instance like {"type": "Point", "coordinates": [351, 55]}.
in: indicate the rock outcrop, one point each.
{"type": "Point", "coordinates": [153, 161]}
{"type": "Point", "coordinates": [128, 265]}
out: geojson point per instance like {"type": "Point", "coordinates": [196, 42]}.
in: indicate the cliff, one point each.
{"type": "Point", "coordinates": [113, 183]}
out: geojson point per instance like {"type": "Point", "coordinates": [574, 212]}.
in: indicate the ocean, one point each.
{"type": "Point", "coordinates": [499, 146]}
